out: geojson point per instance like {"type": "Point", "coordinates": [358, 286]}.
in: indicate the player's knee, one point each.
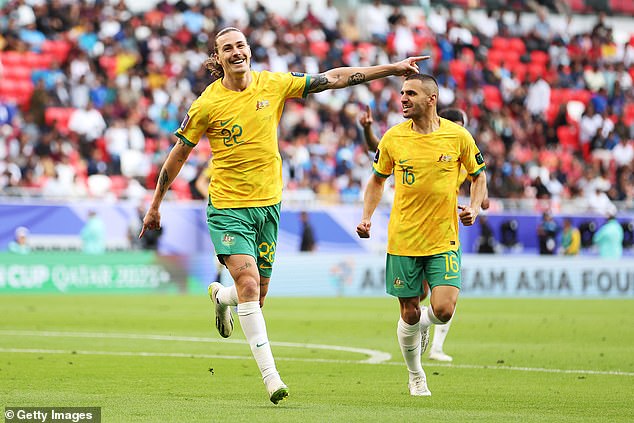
{"type": "Point", "coordinates": [248, 287]}
{"type": "Point", "coordinates": [410, 312]}
{"type": "Point", "coordinates": [444, 311]}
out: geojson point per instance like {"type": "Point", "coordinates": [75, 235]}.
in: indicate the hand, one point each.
{"type": "Point", "coordinates": [363, 229]}
{"type": "Point", "coordinates": [366, 117]}
{"type": "Point", "coordinates": [409, 66]}
{"type": "Point", "coordinates": [467, 215]}
{"type": "Point", "coordinates": [152, 220]}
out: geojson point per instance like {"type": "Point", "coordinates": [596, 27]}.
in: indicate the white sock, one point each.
{"type": "Point", "coordinates": [254, 328]}
{"type": "Point", "coordinates": [228, 296]}
{"type": "Point", "coordinates": [409, 341]}
{"type": "Point", "coordinates": [428, 318]}
{"type": "Point", "coordinates": [440, 333]}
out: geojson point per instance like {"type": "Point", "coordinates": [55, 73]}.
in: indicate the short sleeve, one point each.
{"type": "Point", "coordinates": [383, 163]}
{"type": "Point", "coordinates": [296, 83]}
{"type": "Point", "coordinates": [470, 155]}
{"type": "Point", "coordinates": [194, 124]}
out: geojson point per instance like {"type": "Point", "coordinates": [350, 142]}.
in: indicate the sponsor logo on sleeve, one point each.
{"type": "Point", "coordinates": [184, 122]}
{"type": "Point", "coordinates": [297, 74]}
{"type": "Point", "coordinates": [479, 158]}
{"type": "Point", "coordinates": [376, 155]}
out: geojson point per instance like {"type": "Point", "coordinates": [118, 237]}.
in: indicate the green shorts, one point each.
{"type": "Point", "coordinates": [249, 230]}
{"type": "Point", "coordinates": [404, 275]}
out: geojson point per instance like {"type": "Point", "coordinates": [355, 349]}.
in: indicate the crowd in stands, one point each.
{"type": "Point", "coordinates": [90, 94]}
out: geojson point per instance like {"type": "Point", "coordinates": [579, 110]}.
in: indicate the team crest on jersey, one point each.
{"type": "Point", "coordinates": [261, 104]}
{"type": "Point", "coordinates": [228, 240]}
{"type": "Point", "coordinates": [184, 122]}
{"type": "Point", "coordinates": [398, 283]}
{"type": "Point", "coordinates": [444, 158]}
{"type": "Point", "coordinates": [297, 74]}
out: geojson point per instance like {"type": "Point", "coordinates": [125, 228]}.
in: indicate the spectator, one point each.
{"type": "Point", "coordinates": [485, 243]}
{"type": "Point", "coordinates": [20, 245]}
{"type": "Point", "coordinates": [547, 233]}
{"type": "Point", "coordinates": [93, 235]}
{"type": "Point", "coordinates": [308, 234]}
{"type": "Point", "coordinates": [609, 237]}
{"type": "Point", "coordinates": [570, 239]}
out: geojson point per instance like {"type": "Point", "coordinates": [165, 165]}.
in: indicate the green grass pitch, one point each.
{"type": "Point", "coordinates": [150, 359]}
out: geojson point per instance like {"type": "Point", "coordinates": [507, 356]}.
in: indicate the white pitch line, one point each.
{"type": "Point", "coordinates": [319, 360]}
{"type": "Point", "coordinates": [374, 356]}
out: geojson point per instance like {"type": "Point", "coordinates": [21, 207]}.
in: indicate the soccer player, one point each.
{"type": "Point", "coordinates": [425, 154]}
{"type": "Point", "coordinates": [436, 351]}
{"type": "Point", "coordinates": [239, 114]}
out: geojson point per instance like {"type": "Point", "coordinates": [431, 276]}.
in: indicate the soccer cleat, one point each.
{"type": "Point", "coordinates": [418, 385]}
{"type": "Point", "coordinates": [277, 390]}
{"type": "Point", "coordinates": [439, 356]}
{"type": "Point", "coordinates": [224, 319]}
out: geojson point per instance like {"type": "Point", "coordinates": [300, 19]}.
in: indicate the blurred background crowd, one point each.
{"type": "Point", "coordinates": [91, 92]}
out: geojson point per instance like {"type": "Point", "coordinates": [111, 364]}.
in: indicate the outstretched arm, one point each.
{"type": "Point", "coordinates": [366, 122]}
{"type": "Point", "coordinates": [170, 169]}
{"type": "Point", "coordinates": [345, 77]}
{"type": "Point", "coordinates": [371, 199]}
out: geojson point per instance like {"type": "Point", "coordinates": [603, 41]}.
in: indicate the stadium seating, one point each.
{"type": "Point", "coordinates": [492, 97]}
{"type": "Point", "coordinates": [568, 137]}
{"type": "Point", "coordinates": [58, 116]}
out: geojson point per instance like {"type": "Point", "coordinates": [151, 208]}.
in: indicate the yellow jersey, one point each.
{"type": "Point", "coordinates": [246, 168]}
{"type": "Point", "coordinates": [426, 168]}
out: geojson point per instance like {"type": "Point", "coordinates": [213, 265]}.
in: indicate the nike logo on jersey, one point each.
{"type": "Point", "coordinates": [444, 158]}
{"type": "Point", "coordinates": [261, 345]}
{"type": "Point", "coordinates": [403, 161]}
{"type": "Point", "coordinates": [224, 122]}
{"type": "Point", "coordinates": [447, 277]}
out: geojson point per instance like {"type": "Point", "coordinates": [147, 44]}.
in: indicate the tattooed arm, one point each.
{"type": "Point", "coordinates": [170, 169]}
{"type": "Point", "coordinates": [345, 77]}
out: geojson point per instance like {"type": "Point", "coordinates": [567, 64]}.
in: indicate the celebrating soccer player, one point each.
{"type": "Point", "coordinates": [436, 351]}
{"type": "Point", "coordinates": [239, 113]}
{"type": "Point", "coordinates": [425, 154]}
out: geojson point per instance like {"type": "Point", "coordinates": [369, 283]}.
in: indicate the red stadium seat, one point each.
{"type": "Point", "coordinates": [492, 97]}
{"type": "Point", "coordinates": [59, 49]}
{"type": "Point", "coordinates": [319, 49]}
{"type": "Point", "coordinates": [628, 114]}
{"type": "Point", "coordinates": [181, 189]}
{"type": "Point", "coordinates": [458, 69]}
{"type": "Point", "coordinates": [568, 137]}
{"type": "Point", "coordinates": [583, 96]}
{"type": "Point", "coordinates": [495, 57]}
{"type": "Point", "coordinates": [578, 6]}
{"type": "Point", "coordinates": [519, 69]}
{"type": "Point", "coordinates": [37, 61]}
{"type": "Point", "coordinates": [16, 72]}
{"type": "Point", "coordinates": [119, 184]}
{"type": "Point", "coordinates": [535, 70]}
{"type": "Point", "coordinates": [58, 116]}
{"type": "Point", "coordinates": [540, 57]}
{"type": "Point", "coordinates": [12, 58]}
{"type": "Point", "coordinates": [500, 43]}
{"type": "Point", "coordinates": [109, 64]}
{"type": "Point", "coordinates": [551, 112]}
{"type": "Point", "coordinates": [517, 45]}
